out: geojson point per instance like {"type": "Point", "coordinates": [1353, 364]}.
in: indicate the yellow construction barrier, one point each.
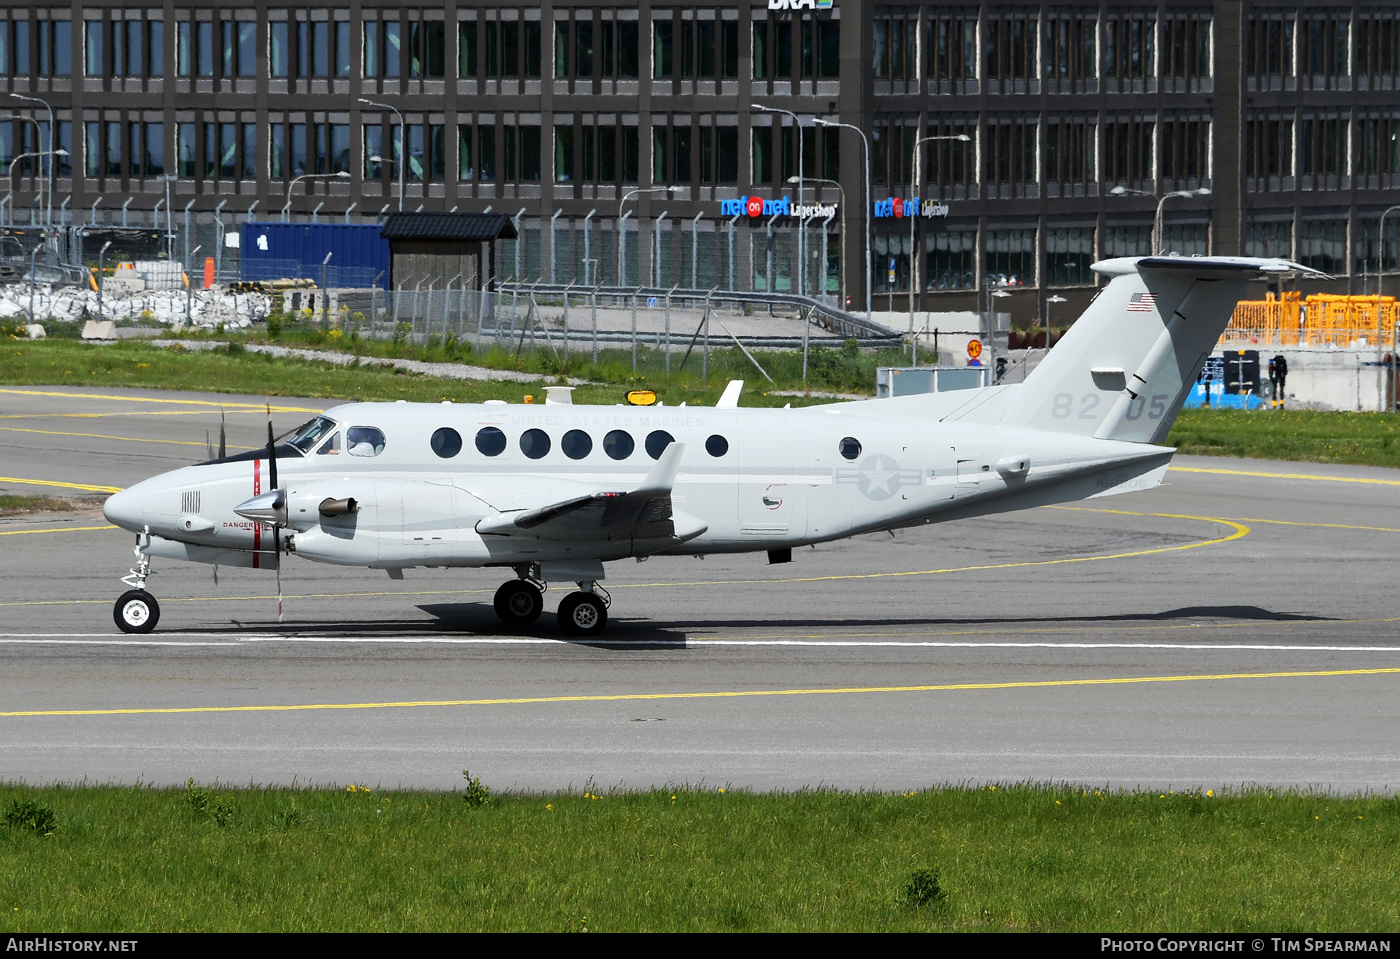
{"type": "Point", "coordinates": [1322, 319]}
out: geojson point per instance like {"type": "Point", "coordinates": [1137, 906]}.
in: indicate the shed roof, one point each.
{"type": "Point", "coordinates": [448, 226]}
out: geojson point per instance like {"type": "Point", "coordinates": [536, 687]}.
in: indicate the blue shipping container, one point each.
{"type": "Point", "coordinates": [275, 251]}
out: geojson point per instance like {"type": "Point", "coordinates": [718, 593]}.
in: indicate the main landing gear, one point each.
{"type": "Point", "coordinates": [582, 613]}
{"type": "Point", "coordinates": [136, 611]}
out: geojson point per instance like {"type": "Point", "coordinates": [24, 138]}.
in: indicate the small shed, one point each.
{"type": "Point", "coordinates": [443, 248]}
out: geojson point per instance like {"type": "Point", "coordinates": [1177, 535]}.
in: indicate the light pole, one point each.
{"type": "Point", "coordinates": [342, 175]}
{"type": "Point", "coordinates": [385, 106]}
{"type": "Point", "coordinates": [622, 227]}
{"type": "Point", "coordinates": [10, 188]}
{"type": "Point", "coordinates": [1380, 309]}
{"type": "Point", "coordinates": [101, 277]}
{"type": "Point", "coordinates": [802, 263]}
{"type": "Point", "coordinates": [1048, 300]}
{"type": "Point", "coordinates": [842, 191]}
{"type": "Point", "coordinates": [169, 233]}
{"type": "Point", "coordinates": [49, 150]}
{"type": "Point", "coordinates": [189, 285]}
{"type": "Point", "coordinates": [1159, 241]}
{"type": "Point", "coordinates": [913, 218]}
{"type": "Point", "coordinates": [869, 274]}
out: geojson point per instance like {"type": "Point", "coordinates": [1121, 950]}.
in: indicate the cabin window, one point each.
{"type": "Point", "coordinates": [534, 443]}
{"type": "Point", "coordinates": [850, 447]}
{"type": "Point", "coordinates": [576, 444]}
{"type": "Point", "coordinates": [309, 434]}
{"type": "Point", "coordinates": [717, 445]}
{"type": "Point", "coordinates": [364, 441]}
{"type": "Point", "coordinates": [657, 441]}
{"type": "Point", "coordinates": [490, 441]}
{"type": "Point", "coordinates": [447, 442]}
{"type": "Point", "coordinates": [619, 444]}
{"type": "Point", "coordinates": [331, 445]}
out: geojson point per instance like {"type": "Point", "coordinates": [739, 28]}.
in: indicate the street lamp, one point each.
{"type": "Point", "coordinates": [801, 263]}
{"type": "Point", "coordinates": [48, 215]}
{"type": "Point", "coordinates": [622, 227]}
{"type": "Point", "coordinates": [385, 106]}
{"type": "Point", "coordinates": [342, 175]}
{"type": "Point", "coordinates": [1380, 278]}
{"type": "Point", "coordinates": [1159, 241]}
{"type": "Point", "coordinates": [913, 254]}
{"type": "Point", "coordinates": [1050, 299]}
{"type": "Point", "coordinates": [842, 191]}
{"type": "Point", "coordinates": [10, 188]}
{"type": "Point", "coordinates": [869, 274]}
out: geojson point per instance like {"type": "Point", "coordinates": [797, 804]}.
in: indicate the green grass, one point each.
{"type": "Point", "coordinates": [33, 504]}
{"type": "Point", "coordinates": [1021, 857]}
{"type": "Point", "coordinates": [1309, 436]}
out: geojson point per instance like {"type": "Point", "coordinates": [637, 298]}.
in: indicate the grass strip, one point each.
{"type": "Point", "coordinates": [1027, 857]}
{"type": "Point", "coordinates": [1367, 439]}
{"type": "Point", "coordinates": [11, 505]}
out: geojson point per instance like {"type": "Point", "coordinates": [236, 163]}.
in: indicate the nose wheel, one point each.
{"type": "Point", "coordinates": [519, 602]}
{"type": "Point", "coordinates": [136, 611]}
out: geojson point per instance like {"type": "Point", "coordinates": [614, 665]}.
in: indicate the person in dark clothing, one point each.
{"type": "Point", "coordinates": [1278, 376]}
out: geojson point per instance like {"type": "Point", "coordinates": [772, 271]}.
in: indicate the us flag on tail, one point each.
{"type": "Point", "coordinates": [1142, 303]}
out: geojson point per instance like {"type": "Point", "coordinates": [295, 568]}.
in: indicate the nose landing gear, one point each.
{"type": "Point", "coordinates": [519, 602]}
{"type": "Point", "coordinates": [136, 611]}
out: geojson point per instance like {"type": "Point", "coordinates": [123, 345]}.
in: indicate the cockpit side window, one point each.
{"type": "Point", "coordinates": [330, 446]}
{"type": "Point", "coordinates": [309, 435]}
{"type": "Point", "coordinates": [364, 441]}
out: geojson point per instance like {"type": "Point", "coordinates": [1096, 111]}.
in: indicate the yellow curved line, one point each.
{"type": "Point", "coordinates": [103, 436]}
{"type": "Point", "coordinates": [59, 529]}
{"type": "Point", "coordinates": [723, 694]}
{"type": "Point", "coordinates": [1297, 476]}
{"type": "Point", "coordinates": [153, 399]}
{"type": "Point", "coordinates": [82, 486]}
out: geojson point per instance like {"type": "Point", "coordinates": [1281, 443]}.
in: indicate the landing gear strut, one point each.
{"type": "Point", "coordinates": [585, 612]}
{"type": "Point", "coordinates": [136, 611]}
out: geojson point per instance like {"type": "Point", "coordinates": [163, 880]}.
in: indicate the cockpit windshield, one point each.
{"type": "Point", "coordinates": [309, 434]}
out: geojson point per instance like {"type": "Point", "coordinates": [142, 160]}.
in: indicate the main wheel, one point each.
{"type": "Point", "coordinates": [518, 603]}
{"type": "Point", "coordinates": [582, 614]}
{"type": "Point", "coordinates": [136, 611]}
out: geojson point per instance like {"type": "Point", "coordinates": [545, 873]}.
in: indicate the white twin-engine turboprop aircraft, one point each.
{"type": "Point", "coordinates": [555, 491]}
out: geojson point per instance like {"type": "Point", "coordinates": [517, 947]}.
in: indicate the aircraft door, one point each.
{"type": "Point", "coordinates": [772, 494]}
{"type": "Point", "coordinates": [941, 474]}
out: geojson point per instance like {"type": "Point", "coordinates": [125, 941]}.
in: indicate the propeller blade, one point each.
{"type": "Point", "coordinates": [271, 457]}
{"type": "Point", "coordinates": [223, 441]}
{"type": "Point", "coordinates": [208, 445]}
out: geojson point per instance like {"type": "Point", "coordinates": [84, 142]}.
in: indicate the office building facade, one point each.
{"type": "Point", "coordinates": [1008, 144]}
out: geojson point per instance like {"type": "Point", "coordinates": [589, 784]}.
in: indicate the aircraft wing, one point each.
{"type": "Point", "coordinates": [645, 513]}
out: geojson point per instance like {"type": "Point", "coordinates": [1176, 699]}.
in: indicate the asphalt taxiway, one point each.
{"type": "Point", "coordinates": [1236, 626]}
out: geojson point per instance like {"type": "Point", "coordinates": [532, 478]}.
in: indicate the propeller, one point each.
{"type": "Point", "coordinates": [223, 440]}
{"type": "Point", "coordinates": [279, 503]}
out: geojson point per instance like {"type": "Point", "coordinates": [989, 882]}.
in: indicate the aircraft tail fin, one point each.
{"type": "Point", "coordinates": [1123, 370]}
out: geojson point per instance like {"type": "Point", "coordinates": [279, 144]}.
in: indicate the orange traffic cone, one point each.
{"type": "Point", "coordinates": [209, 273]}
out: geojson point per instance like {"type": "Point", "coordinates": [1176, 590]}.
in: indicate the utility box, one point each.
{"type": "Point", "coordinates": [906, 381]}
{"type": "Point", "coordinates": [277, 251]}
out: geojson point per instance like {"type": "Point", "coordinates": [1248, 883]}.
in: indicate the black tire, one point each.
{"type": "Point", "coordinates": [136, 611]}
{"type": "Point", "coordinates": [582, 614]}
{"type": "Point", "coordinates": [518, 603]}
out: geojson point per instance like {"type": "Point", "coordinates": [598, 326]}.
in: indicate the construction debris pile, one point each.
{"type": "Point", "coordinates": [127, 304]}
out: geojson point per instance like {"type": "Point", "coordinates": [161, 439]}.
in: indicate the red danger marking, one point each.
{"type": "Point", "coordinates": [755, 206]}
{"type": "Point", "coordinates": [898, 208]}
{"type": "Point", "coordinates": [974, 348]}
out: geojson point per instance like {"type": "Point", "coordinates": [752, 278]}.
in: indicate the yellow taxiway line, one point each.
{"type": "Point", "coordinates": [1293, 476]}
{"type": "Point", "coordinates": [62, 485]}
{"type": "Point", "coordinates": [104, 436]}
{"type": "Point", "coordinates": [153, 399]}
{"type": "Point", "coordinates": [723, 694]}
{"type": "Point", "coordinates": [59, 529]}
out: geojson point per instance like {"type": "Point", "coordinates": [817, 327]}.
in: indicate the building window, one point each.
{"type": "Point", "coordinates": [895, 48]}
{"type": "Point", "coordinates": [1010, 257]}
{"type": "Point", "coordinates": [92, 48]}
{"type": "Point", "coordinates": [55, 48]}
{"type": "Point", "coordinates": [1378, 145]}
{"type": "Point", "coordinates": [1068, 254]}
{"type": "Point", "coordinates": [1184, 148]}
{"type": "Point", "coordinates": [1069, 151]}
{"type": "Point", "coordinates": [1269, 46]}
{"type": "Point", "coordinates": [950, 260]}
{"type": "Point", "coordinates": [1322, 146]}
{"type": "Point", "coordinates": [762, 155]}
{"type": "Point", "coordinates": [278, 53]}
{"type": "Point", "coordinates": [147, 149]}
{"type": "Point", "coordinates": [1268, 147]}
{"type": "Point", "coordinates": [1368, 248]}
{"type": "Point", "coordinates": [1377, 44]}
{"type": "Point", "coordinates": [1324, 46]}
{"type": "Point", "coordinates": [1322, 245]}
{"type": "Point", "coordinates": [564, 153]}
{"type": "Point", "coordinates": [822, 42]}
{"type": "Point", "coordinates": [952, 48]}
{"type": "Point", "coordinates": [18, 34]}
{"type": "Point", "coordinates": [512, 49]}
{"type": "Point", "coordinates": [1010, 46]}
{"type": "Point", "coordinates": [719, 154]}
{"type": "Point", "coordinates": [1127, 241]}
{"type": "Point", "coordinates": [1010, 152]}
{"type": "Point", "coordinates": [1269, 239]}
{"type": "Point", "coordinates": [1069, 48]}
{"type": "Point", "coordinates": [1127, 145]}
{"type": "Point", "coordinates": [1186, 46]}
{"type": "Point", "coordinates": [1186, 239]}
{"type": "Point", "coordinates": [466, 48]}
{"type": "Point", "coordinates": [949, 162]}
{"type": "Point", "coordinates": [662, 49]}
{"type": "Point", "coordinates": [1128, 47]}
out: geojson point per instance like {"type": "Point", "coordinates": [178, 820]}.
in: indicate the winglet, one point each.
{"type": "Point", "coordinates": [729, 399]}
{"type": "Point", "coordinates": [663, 475]}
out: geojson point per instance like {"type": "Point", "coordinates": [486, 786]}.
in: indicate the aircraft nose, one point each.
{"type": "Point", "coordinates": [124, 509]}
